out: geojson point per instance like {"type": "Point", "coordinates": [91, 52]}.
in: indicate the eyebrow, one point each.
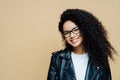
{"type": "Point", "coordinates": [70, 30]}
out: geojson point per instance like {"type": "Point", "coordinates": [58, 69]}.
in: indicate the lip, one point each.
{"type": "Point", "coordinates": [74, 40]}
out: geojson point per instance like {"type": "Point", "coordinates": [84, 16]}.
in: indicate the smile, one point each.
{"type": "Point", "coordinates": [74, 40]}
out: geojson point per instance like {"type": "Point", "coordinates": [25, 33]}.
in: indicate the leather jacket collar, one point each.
{"type": "Point", "coordinates": [63, 62]}
{"type": "Point", "coordinates": [66, 54]}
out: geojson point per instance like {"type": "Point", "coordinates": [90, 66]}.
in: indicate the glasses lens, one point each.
{"type": "Point", "coordinates": [66, 34]}
{"type": "Point", "coordinates": [76, 31]}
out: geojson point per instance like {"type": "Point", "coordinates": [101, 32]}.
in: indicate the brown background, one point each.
{"type": "Point", "coordinates": [29, 34]}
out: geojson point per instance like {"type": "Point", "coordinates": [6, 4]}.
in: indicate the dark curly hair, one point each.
{"type": "Point", "coordinates": [95, 40]}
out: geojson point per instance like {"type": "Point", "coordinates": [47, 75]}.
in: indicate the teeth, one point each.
{"type": "Point", "coordinates": [73, 41]}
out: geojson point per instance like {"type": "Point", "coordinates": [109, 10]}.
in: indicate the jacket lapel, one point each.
{"type": "Point", "coordinates": [68, 68]}
{"type": "Point", "coordinates": [92, 71]}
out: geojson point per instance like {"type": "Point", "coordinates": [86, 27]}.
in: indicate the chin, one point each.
{"type": "Point", "coordinates": [75, 45]}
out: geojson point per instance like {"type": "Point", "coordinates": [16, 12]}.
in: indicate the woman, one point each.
{"type": "Point", "coordinates": [85, 56]}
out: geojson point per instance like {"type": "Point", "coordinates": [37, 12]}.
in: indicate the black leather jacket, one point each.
{"type": "Point", "coordinates": [61, 68]}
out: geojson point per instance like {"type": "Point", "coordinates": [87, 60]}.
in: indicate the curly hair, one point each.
{"type": "Point", "coordinates": [95, 40]}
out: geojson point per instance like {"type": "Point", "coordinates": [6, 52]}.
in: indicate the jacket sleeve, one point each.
{"type": "Point", "coordinates": [106, 74]}
{"type": "Point", "coordinates": [52, 72]}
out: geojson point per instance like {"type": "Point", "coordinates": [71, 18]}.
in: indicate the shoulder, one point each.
{"type": "Point", "coordinates": [61, 54]}
{"type": "Point", "coordinates": [56, 58]}
{"type": "Point", "coordinates": [57, 54]}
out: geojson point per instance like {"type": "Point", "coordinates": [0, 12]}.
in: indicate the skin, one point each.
{"type": "Point", "coordinates": [75, 40]}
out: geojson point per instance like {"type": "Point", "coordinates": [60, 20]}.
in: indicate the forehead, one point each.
{"type": "Point", "coordinates": [69, 25]}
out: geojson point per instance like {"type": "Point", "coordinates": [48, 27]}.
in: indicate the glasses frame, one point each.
{"type": "Point", "coordinates": [67, 34]}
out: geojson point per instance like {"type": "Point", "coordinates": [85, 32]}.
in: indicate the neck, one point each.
{"type": "Point", "coordinates": [78, 50]}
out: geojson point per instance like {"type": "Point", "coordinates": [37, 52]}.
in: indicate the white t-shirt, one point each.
{"type": "Point", "coordinates": [80, 65]}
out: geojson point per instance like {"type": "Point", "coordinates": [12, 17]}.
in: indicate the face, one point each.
{"type": "Point", "coordinates": [72, 34]}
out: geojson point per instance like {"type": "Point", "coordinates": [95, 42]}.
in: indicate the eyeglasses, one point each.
{"type": "Point", "coordinates": [67, 34]}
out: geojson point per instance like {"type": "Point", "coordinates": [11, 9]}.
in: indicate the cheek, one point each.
{"type": "Point", "coordinates": [78, 35]}
{"type": "Point", "coordinates": [67, 40]}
